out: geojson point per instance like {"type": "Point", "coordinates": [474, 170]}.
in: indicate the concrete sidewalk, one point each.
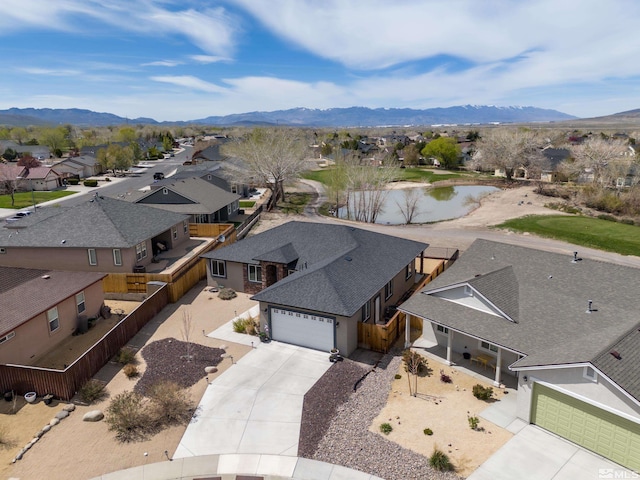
{"type": "Point", "coordinates": [266, 466]}
{"type": "Point", "coordinates": [256, 405]}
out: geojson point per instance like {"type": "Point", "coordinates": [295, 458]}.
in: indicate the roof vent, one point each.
{"type": "Point", "coordinates": [348, 259]}
{"type": "Point", "coordinates": [46, 277]}
{"type": "Point", "coordinates": [590, 307]}
{"type": "Point", "coordinates": [615, 354]}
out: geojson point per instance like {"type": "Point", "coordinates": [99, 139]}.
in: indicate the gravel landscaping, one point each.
{"type": "Point", "coordinates": [344, 424]}
{"type": "Point", "coordinates": [166, 361]}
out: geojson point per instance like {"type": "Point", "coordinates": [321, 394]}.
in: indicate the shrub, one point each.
{"type": "Point", "coordinates": [227, 294]}
{"type": "Point", "coordinates": [170, 404]}
{"type": "Point", "coordinates": [127, 416]}
{"type": "Point", "coordinates": [73, 181]}
{"type": "Point", "coordinates": [239, 325]}
{"type": "Point", "coordinates": [440, 461]}
{"type": "Point", "coordinates": [386, 428]}
{"type": "Point", "coordinates": [398, 376]}
{"type": "Point", "coordinates": [92, 391]}
{"type": "Point", "coordinates": [130, 370]}
{"type": "Point", "coordinates": [126, 355]}
{"type": "Point", "coordinates": [90, 183]}
{"type": "Point", "coordinates": [609, 218]}
{"type": "Point", "coordinates": [473, 422]}
{"type": "Point", "coordinates": [427, 431]}
{"type": "Point", "coordinates": [482, 393]}
{"type": "Point", "coordinates": [5, 439]}
{"type": "Point", "coordinates": [627, 221]}
{"type": "Point", "coordinates": [444, 377]}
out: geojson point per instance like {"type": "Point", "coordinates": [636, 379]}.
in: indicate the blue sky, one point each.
{"type": "Point", "coordinates": [189, 59]}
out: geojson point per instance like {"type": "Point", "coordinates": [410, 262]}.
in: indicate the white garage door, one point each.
{"type": "Point", "coordinates": [302, 329]}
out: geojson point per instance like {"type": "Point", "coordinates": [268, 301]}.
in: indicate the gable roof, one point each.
{"type": "Point", "coordinates": [551, 294]}
{"type": "Point", "coordinates": [101, 222]}
{"type": "Point", "coordinates": [338, 267]}
{"type": "Point", "coordinates": [24, 293]}
{"type": "Point", "coordinates": [197, 196]}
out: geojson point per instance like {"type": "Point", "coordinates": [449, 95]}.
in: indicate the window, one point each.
{"type": "Point", "coordinates": [255, 273]}
{"type": "Point", "coordinates": [117, 257]}
{"type": "Point", "coordinates": [366, 311]}
{"type": "Point", "coordinates": [590, 373]}
{"type": "Point", "coordinates": [201, 218]}
{"type": "Point", "coordinates": [218, 268]}
{"type": "Point", "coordinates": [234, 188]}
{"type": "Point", "coordinates": [409, 271]}
{"type": "Point", "coordinates": [489, 347]}
{"type": "Point", "coordinates": [141, 251]}
{"type": "Point", "coordinates": [229, 209]}
{"type": "Point", "coordinates": [80, 302]}
{"type": "Point", "coordinates": [441, 329]}
{"type": "Point", "coordinates": [185, 227]}
{"type": "Point", "coordinates": [388, 290]}
{"type": "Point", "coordinates": [93, 259]}
{"type": "Point", "coordinates": [7, 337]}
{"type": "Point", "coordinates": [52, 318]}
{"type": "Point", "coordinates": [174, 232]}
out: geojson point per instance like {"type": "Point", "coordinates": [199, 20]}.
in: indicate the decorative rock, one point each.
{"type": "Point", "coordinates": [40, 433]}
{"type": "Point", "coordinates": [93, 416]}
{"type": "Point", "coordinates": [54, 422]}
{"type": "Point", "coordinates": [62, 414]}
{"type": "Point", "coordinates": [34, 440]}
{"type": "Point", "coordinates": [210, 369]}
{"type": "Point", "coordinates": [70, 407]}
{"type": "Point", "coordinates": [20, 455]}
{"type": "Point", "coordinates": [27, 447]}
{"type": "Point", "coordinates": [46, 428]}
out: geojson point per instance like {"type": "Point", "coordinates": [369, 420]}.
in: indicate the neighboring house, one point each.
{"type": "Point", "coordinates": [79, 167]}
{"type": "Point", "coordinates": [209, 154]}
{"type": "Point", "coordinates": [567, 328]}
{"type": "Point", "coordinates": [101, 235]}
{"type": "Point", "coordinates": [316, 282]}
{"type": "Point", "coordinates": [201, 200]}
{"type": "Point", "coordinates": [40, 152]}
{"type": "Point", "coordinates": [554, 156]}
{"type": "Point", "coordinates": [40, 309]}
{"type": "Point", "coordinates": [220, 175]}
{"type": "Point", "coordinates": [38, 178]}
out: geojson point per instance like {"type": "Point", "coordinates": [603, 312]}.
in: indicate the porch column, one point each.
{"type": "Point", "coordinates": [407, 330]}
{"type": "Point", "coordinates": [449, 343]}
{"type": "Point", "coordinates": [496, 381]}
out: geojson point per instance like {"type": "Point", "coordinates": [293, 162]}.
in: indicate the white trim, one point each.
{"type": "Point", "coordinates": [256, 268]}
{"type": "Point", "coordinates": [82, 302]}
{"type": "Point", "coordinates": [217, 262]}
{"type": "Point", "coordinates": [93, 256]}
{"type": "Point", "coordinates": [117, 257]}
{"type": "Point", "coordinates": [582, 398]}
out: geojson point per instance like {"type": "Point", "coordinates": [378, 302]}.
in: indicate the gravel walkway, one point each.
{"type": "Point", "coordinates": [347, 441]}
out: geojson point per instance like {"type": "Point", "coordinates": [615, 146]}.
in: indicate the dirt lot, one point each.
{"type": "Point", "coordinates": [80, 450]}
{"type": "Point", "coordinates": [444, 408]}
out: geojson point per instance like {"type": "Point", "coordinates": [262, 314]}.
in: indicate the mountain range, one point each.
{"type": "Point", "coordinates": [299, 117]}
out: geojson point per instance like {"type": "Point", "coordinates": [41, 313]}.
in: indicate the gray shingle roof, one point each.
{"type": "Point", "coordinates": [552, 296]}
{"type": "Point", "coordinates": [101, 222]}
{"type": "Point", "coordinates": [339, 267]}
{"type": "Point", "coordinates": [623, 370]}
{"type": "Point", "coordinates": [25, 294]}
{"type": "Point", "coordinates": [205, 197]}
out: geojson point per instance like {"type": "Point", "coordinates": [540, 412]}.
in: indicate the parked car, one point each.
{"type": "Point", "coordinates": [158, 176]}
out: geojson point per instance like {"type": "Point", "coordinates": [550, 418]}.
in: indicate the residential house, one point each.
{"type": "Point", "coordinates": [317, 282]}
{"type": "Point", "coordinates": [564, 329]}
{"type": "Point", "coordinates": [224, 176]}
{"type": "Point", "coordinates": [34, 178]}
{"type": "Point", "coordinates": [193, 196]}
{"type": "Point", "coordinates": [83, 166]}
{"type": "Point", "coordinates": [40, 308]}
{"type": "Point", "coordinates": [100, 235]}
{"type": "Point", "coordinates": [39, 152]}
{"type": "Point", "coordinates": [554, 157]}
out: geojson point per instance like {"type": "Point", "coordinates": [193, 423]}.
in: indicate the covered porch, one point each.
{"type": "Point", "coordinates": [474, 355]}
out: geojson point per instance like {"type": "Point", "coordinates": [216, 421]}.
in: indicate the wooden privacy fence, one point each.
{"type": "Point", "coordinates": [65, 383]}
{"type": "Point", "coordinates": [380, 338]}
{"type": "Point", "coordinates": [179, 281]}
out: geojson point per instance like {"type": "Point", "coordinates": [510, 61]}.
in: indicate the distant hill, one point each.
{"type": "Point", "coordinates": [627, 119]}
{"type": "Point", "coordinates": [332, 117]}
{"type": "Point", "coordinates": [59, 116]}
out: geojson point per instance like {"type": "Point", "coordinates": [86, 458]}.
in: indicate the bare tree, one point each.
{"type": "Point", "coordinates": [367, 190]}
{"type": "Point", "coordinates": [187, 332]}
{"type": "Point", "coordinates": [410, 203]}
{"type": "Point", "coordinates": [413, 365]}
{"type": "Point", "coordinates": [604, 158]}
{"type": "Point", "coordinates": [273, 157]}
{"type": "Point", "coordinates": [509, 149]}
{"type": "Point", "coordinates": [8, 185]}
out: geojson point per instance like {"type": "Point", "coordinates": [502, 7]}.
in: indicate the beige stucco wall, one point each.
{"type": "Point", "coordinates": [233, 278]}
{"type": "Point", "coordinates": [76, 259]}
{"type": "Point", "coordinates": [33, 338]}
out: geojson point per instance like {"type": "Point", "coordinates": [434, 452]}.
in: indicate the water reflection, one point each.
{"type": "Point", "coordinates": [431, 204]}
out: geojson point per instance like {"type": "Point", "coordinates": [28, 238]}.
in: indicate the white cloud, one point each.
{"type": "Point", "coordinates": [162, 63]}
{"type": "Point", "coordinates": [208, 58]}
{"type": "Point", "coordinates": [49, 71]}
{"type": "Point", "coordinates": [191, 83]}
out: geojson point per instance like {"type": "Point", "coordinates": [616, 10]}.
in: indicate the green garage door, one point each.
{"type": "Point", "coordinates": [591, 427]}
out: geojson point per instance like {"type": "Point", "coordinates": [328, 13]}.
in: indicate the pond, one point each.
{"type": "Point", "coordinates": [433, 204]}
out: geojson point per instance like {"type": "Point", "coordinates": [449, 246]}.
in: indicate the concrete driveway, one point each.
{"type": "Point", "coordinates": [256, 405]}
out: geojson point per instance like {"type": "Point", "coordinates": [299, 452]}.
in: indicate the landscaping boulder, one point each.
{"type": "Point", "coordinates": [93, 416]}
{"type": "Point", "coordinates": [62, 414]}
{"type": "Point", "coordinates": [54, 422]}
{"type": "Point", "coordinates": [70, 407]}
{"type": "Point", "coordinates": [210, 369]}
